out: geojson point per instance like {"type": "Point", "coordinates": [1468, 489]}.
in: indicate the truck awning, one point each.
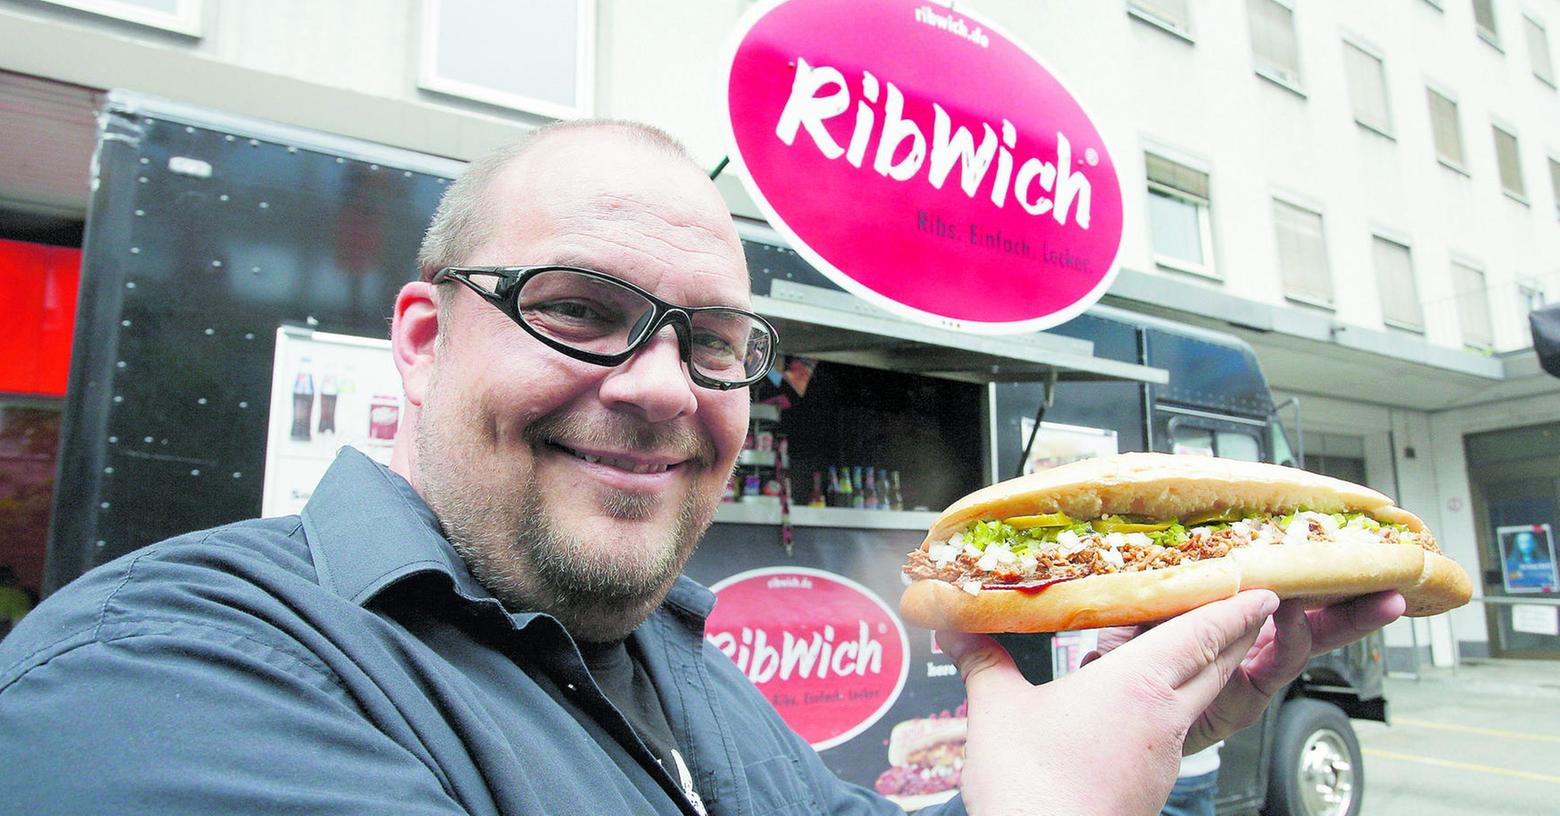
{"type": "Point", "coordinates": [836, 326]}
{"type": "Point", "coordinates": [817, 319]}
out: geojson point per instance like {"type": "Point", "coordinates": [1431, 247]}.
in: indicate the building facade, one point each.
{"type": "Point", "coordinates": [1367, 193]}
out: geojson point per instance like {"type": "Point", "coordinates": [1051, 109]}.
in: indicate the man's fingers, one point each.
{"type": "Point", "coordinates": [1344, 623]}
{"type": "Point", "coordinates": [1182, 647]}
{"type": "Point", "coordinates": [988, 671]}
{"type": "Point", "coordinates": [1285, 652]}
{"type": "Point", "coordinates": [1197, 692]}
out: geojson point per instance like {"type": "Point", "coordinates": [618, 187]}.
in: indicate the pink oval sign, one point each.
{"type": "Point", "coordinates": [924, 162]}
{"type": "Point", "coordinates": [829, 655]}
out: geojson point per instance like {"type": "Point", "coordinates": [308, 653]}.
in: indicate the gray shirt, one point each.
{"type": "Point", "coordinates": [346, 661]}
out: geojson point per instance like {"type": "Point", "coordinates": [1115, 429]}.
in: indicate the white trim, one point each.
{"type": "Point", "coordinates": [1164, 150]}
{"type": "Point", "coordinates": [1295, 198]}
{"type": "Point", "coordinates": [1396, 236]}
{"type": "Point", "coordinates": [1307, 300]}
{"type": "Point", "coordinates": [137, 104]}
{"type": "Point", "coordinates": [186, 19]}
{"type": "Point", "coordinates": [1281, 79]}
{"type": "Point", "coordinates": [1146, 16]}
{"type": "Point", "coordinates": [584, 69]}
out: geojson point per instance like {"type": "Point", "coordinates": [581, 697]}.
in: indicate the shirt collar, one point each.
{"type": "Point", "coordinates": [368, 529]}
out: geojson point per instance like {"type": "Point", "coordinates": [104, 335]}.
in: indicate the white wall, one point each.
{"type": "Point", "coordinates": [1147, 86]}
{"type": "Point", "coordinates": [1416, 484]}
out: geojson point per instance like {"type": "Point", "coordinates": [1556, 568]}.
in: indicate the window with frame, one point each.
{"type": "Point", "coordinates": [1473, 306]}
{"type": "Point", "coordinates": [1554, 182]}
{"type": "Point", "coordinates": [1538, 50]}
{"type": "Point", "coordinates": [1367, 88]}
{"type": "Point", "coordinates": [1274, 47]}
{"type": "Point", "coordinates": [1302, 254]}
{"type": "Point", "coordinates": [1484, 21]}
{"type": "Point", "coordinates": [1444, 130]}
{"type": "Point", "coordinates": [1395, 284]}
{"type": "Point", "coordinates": [1178, 216]}
{"type": "Point", "coordinates": [534, 55]}
{"type": "Point", "coordinates": [1509, 162]}
{"type": "Point", "coordinates": [1172, 15]}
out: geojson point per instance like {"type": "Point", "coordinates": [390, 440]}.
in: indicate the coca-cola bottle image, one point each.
{"type": "Point", "coordinates": [328, 404]}
{"type": "Point", "coordinates": [303, 405]}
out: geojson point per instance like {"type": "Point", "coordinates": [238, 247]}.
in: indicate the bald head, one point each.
{"type": "Point", "coordinates": [466, 218]}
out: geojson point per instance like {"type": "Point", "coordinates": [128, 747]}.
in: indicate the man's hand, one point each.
{"type": "Point", "coordinates": [1286, 642]}
{"type": "Point", "coordinates": [1108, 738]}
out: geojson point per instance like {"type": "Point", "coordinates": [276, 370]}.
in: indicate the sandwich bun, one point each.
{"type": "Point", "coordinates": [1164, 486]}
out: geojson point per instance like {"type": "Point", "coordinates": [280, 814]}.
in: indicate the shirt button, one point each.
{"type": "Point", "coordinates": [569, 686]}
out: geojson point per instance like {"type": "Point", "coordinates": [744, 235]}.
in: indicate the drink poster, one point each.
{"type": "Point", "coordinates": [1060, 444]}
{"type": "Point", "coordinates": [1527, 554]}
{"type": "Point", "coordinates": [327, 391]}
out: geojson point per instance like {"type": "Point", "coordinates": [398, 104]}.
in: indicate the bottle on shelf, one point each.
{"type": "Point", "coordinates": [816, 498]}
{"type": "Point", "coordinates": [831, 490]}
{"type": "Point", "coordinates": [869, 491]}
{"type": "Point", "coordinates": [847, 492]}
{"type": "Point", "coordinates": [752, 486]}
{"type": "Point", "coordinates": [898, 500]}
{"type": "Point", "coordinates": [885, 490]}
{"type": "Point", "coordinates": [858, 498]}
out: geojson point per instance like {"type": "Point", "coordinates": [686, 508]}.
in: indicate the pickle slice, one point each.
{"type": "Point", "coordinates": [1214, 516]}
{"type": "Point", "coordinates": [1117, 524]}
{"type": "Point", "coordinates": [1042, 520]}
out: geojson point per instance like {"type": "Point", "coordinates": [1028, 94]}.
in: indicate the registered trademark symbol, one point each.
{"type": "Point", "coordinates": [882, 628]}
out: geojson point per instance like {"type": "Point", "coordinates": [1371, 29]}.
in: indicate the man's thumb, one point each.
{"type": "Point", "coordinates": [985, 666]}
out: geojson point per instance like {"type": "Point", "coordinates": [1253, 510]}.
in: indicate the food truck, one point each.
{"type": "Point", "coordinates": [237, 280]}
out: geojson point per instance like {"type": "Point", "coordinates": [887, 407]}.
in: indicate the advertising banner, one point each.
{"type": "Point", "coordinates": [1527, 553]}
{"type": "Point", "coordinates": [878, 700]}
{"type": "Point", "coordinates": [924, 161]}
{"type": "Point", "coordinates": [327, 390]}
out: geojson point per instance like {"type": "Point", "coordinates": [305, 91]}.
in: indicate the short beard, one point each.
{"type": "Point", "coordinates": [522, 553]}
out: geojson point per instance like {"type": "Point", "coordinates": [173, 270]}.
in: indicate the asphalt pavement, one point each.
{"type": "Point", "coordinates": [1483, 738]}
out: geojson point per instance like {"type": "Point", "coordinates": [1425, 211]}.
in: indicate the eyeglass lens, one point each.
{"type": "Point", "coordinates": [602, 317]}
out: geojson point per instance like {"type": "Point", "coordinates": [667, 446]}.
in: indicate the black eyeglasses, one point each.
{"type": "Point", "coordinates": [597, 318]}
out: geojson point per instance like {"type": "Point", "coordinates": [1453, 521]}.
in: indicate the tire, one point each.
{"type": "Point", "coordinates": [1317, 769]}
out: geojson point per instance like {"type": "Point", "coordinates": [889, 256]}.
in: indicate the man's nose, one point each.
{"type": "Point", "coordinates": [654, 383]}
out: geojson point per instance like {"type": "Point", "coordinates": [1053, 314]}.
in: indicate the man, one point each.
{"type": "Point", "coordinates": [496, 623]}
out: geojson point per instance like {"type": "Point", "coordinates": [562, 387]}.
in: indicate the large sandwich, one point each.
{"type": "Point", "coordinates": [1140, 537]}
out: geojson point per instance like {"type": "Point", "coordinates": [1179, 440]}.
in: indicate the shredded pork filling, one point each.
{"type": "Point", "coordinates": [1078, 554]}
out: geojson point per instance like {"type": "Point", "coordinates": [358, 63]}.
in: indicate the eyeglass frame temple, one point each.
{"type": "Point", "coordinates": [512, 277]}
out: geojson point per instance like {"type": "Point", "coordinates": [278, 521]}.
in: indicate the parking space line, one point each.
{"type": "Point", "coordinates": [1473, 729]}
{"type": "Point", "coordinates": [1465, 766]}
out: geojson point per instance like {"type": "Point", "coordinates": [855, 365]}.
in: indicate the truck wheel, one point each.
{"type": "Point", "coordinates": [1317, 769]}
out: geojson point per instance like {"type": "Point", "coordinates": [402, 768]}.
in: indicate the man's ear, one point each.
{"type": "Point", "coordinates": [413, 331]}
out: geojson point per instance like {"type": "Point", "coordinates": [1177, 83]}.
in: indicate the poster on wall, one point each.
{"type": "Point", "coordinates": [327, 391]}
{"type": "Point", "coordinates": [1535, 619]}
{"type": "Point", "coordinates": [1059, 444]}
{"type": "Point", "coordinates": [1527, 556]}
